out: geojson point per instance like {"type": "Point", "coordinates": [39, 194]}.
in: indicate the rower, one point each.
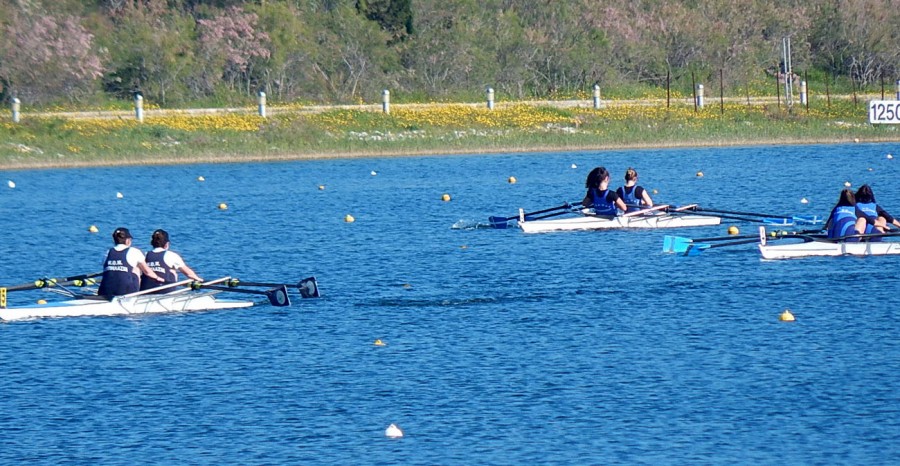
{"type": "Point", "coordinates": [846, 219]}
{"type": "Point", "coordinates": [123, 267]}
{"type": "Point", "coordinates": [635, 197]}
{"type": "Point", "coordinates": [165, 263]}
{"type": "Point", "coordinates": [877, 219]}
{"type": "Point", "coordinates": [604, 202]}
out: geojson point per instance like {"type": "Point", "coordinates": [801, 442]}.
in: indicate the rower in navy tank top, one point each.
{"type": "Point", "coordinates": [877, 219]}
{"type": "Point", "coordinates": [845, 218]}
{"type": "Point", "coordinates": [605, 203]}
{"type": "Point", "coordinates": [165, 263]}
{"type": "Point", "coordinates": [123, 266]}
{"type": "Point", "coordinates": [635, 197]}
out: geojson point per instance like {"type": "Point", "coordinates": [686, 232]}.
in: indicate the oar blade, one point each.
{"type": "Point", "coordinates": [676, 244]}
{"type": "Point", "coordinates": [279, 296]}
{"type": "Point", "coordinates": [309, 288]}
{"type": "Point", "coordinates": [695, 249]}
{"type": "Point", "coordinates": [809, 219]}
{"type": "Point", "coordinates": [499, 223]}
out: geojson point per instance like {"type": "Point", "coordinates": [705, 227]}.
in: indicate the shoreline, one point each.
{"type": "Point", "coordinates": [152, 160]}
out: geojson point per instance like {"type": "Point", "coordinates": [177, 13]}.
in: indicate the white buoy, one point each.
{"type": "Point", "coordinates": [847, 184]}
{"type": "Point", "coordinates": [373, 173]}
{"type": "Point", "coordinates": [804, 201]}
{"type": "Point", "coordinates": [889, 156]}
{"type": "Point", "coordinates": [119, 196]}
{"type": "Point", "coordinates": [574, 166]}
{"type": "Point", "coordinates": [201, 178]}
{"type": "Point", "coordinates": [11, 184]}
{"type": "Point", "coordinates": [393, 431]}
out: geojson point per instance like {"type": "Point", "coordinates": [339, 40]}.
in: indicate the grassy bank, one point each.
{"type": "Point", "coordinates": [299, 133]}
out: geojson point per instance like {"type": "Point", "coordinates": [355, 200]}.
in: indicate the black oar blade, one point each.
{"type": "Point", "coordinates": [308, 287]}
{"type": "Point", "coordinates": [279, 296]}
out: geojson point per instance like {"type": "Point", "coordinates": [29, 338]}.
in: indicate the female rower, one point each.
{"type": "Point", "coordinates": [845, 218]}
{"type": "Point", "coordinates": [877, 219]}
{"type": "Point", "coordinates": [603, 201]}
{"type": "Point", "coordinates": [635, 197]}
{"type": "Point", "coordinates": [123, 267]}
{"type": "Point", "coordinates": [165, 263]}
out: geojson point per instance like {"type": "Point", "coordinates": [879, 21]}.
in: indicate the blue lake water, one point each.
{"type": "Point", "coordinates": [501, 347]}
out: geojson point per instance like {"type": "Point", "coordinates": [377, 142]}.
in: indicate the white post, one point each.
{"type": "Point", "coordinates": [596, 96]}
{"type": "Point", "coordinates": [15, 110]}
{"type": "Point", "coordinates": [139, 108]}
{"type": "Point", "coordinates": [898, 89]}
{"type": "Point", "coordinates": [262, 104]}
{"type": "Point", "coordinates": [700, 95]}
{"type": "Point", "coordinates": [386, 101]}
{"type": "Point", "coordinates": [490, 98]}
{"type": "Point", "coordinates": [802, 92]}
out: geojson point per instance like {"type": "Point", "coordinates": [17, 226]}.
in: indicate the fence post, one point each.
{"type": "Point", "coordinates": [490, 98]}
{"type": "Point", "coordinates": [700, 95]}
{"type": "Point", "coordinates": [386, 101]}
{"type": "Point", "coordinates": [262, 104]}
{"type": "Point", "coordinates": [596, 96]}
{"type": "Point", "coordinates": [139, 108]}
{"type": "Point", "coordinates": [803, 93]}
{"type": "Point", "coordinates": [15, 110]}
{"type": "Point", "coordinates": [898, 89]}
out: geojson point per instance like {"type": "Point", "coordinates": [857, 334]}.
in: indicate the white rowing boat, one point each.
{"type": "Point", "coordinates": [181, 299]}
{"type": "Point", "coordinates": [590, 222]}
{"type": "Point", "coordinates": [813, 246]}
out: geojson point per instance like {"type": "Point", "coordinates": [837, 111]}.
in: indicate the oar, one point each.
{"type": "Point", "coordinates": [308, 287]}
{"type": "Point", "coordinates": [680, 244]}
{"type": "Point", "coordinates": [694, 249]}
{"type": "Point", "coordinates": [500, 222]}
{"type": "Point", "coordinates": [277, 296]}
{"type": "Point", "coordinates": [745, 214]}
{"type": "Point", "coordinates": [76, 280]}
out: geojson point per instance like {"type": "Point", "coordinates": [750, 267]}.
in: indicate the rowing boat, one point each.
{"type": "Point", "coordinates": [590, 222]}
{"type": "Point", "coordinates": [811, 246]}
{"type": "Point", "coordinates": [181, 299]}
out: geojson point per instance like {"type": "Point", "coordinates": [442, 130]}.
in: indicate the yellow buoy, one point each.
{"type": "Point", "coordinates": [699, 174]}
{"type": "Point", "coordinates": [349, 218]}
{"type": "Point", "coordinates": [42, 301]}
{"type": "Point", "coordinates": [733, 230]}
{"type": "Point", "coordinates": [321, 187]}
{"type": "Point", "coordinates": [93, 229]}
{"type": "Point", "coordinates": [201, 178]}
{"type": "Point", "coordinates": [445, 197]}
{"type": "Point", "coordinates": [512, 180]}
{"type": "Point", "coordinates": [855, 139]}
{"type": "Point", "coordinates": [786, 316]}
{"type": "Point", "coordinates": [223, 206]}
{"type": "Point", "coordinates": [378, 342]}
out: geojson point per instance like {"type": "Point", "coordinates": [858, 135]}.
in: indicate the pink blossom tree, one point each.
{"type": "Point", "coordinates": [231, 45]}
{"type": "Point", "coordinates": [45, 58]}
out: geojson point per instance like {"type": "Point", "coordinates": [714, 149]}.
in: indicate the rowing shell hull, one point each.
{"type": "Point", "coordinates": [597, 223]}
{"type": "Point", "coordinates": [183, 301]}
{"type": "Point", "coordinates": [820, 248]}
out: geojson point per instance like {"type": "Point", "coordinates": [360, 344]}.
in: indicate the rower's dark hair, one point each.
{"type": "Point", "coordinates": [159, 239]}
{"type": "Point", "coordinates": [121, 235]}
{"type": "Point", "coordinates": [864, 194]}
{"type": "Point", "coordinates": [630, 174]}
{"type": "Point", "coordinates": [595, 177]}
{"type": "Point", "coordinates": [847, 198]}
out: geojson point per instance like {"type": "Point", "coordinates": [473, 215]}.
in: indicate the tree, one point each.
{"type": "Point", "coordinates": [227, 46]}
{"type": "Point", "coordinates": [151, 50]}
{"type": "Point", "coordinates": [44, 57]}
